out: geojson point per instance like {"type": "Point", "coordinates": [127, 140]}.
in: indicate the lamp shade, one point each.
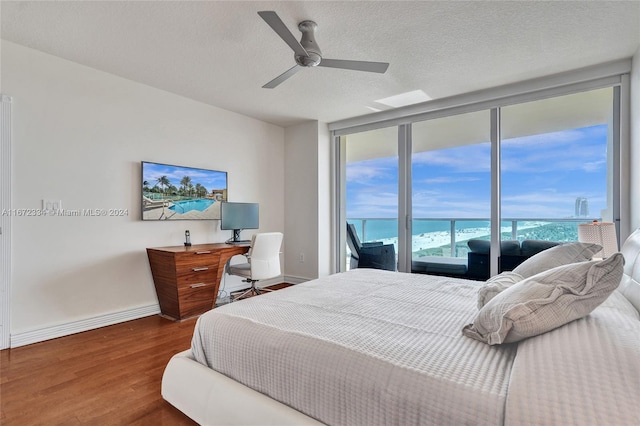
{"type": "Point", "coordinates": [601, 233]}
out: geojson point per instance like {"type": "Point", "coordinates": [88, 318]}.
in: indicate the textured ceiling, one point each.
{"type": "Point", "coordinates": [222, 52]}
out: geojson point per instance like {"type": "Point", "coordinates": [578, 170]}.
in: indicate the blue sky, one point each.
{"type": "Point", "coordinates": [210, 179]}
{"type": "Point", "coordinates": [542, 175]}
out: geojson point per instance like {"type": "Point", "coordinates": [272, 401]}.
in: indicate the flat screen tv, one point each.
{"type": "Point", "coordinates": [181, 193]}
{"type": "Point", "coordinates": [238, 216]}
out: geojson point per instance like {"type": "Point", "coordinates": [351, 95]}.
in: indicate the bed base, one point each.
{"type": "Point", "coordinates": [211, 398]}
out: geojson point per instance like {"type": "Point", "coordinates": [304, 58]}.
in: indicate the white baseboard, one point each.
{"type": "Point", "coordinates": [47, 333]}
{"type": "Point", "coordinates": [40, 335]}
{"type": "Point", "coordinates": [295, 280]}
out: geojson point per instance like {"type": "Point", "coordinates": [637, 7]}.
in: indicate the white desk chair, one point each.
{"type": "Point", "coordinates": [263, 262]}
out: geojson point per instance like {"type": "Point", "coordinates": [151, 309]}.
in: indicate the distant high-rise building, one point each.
{"type": "Point", "coordinates": [582, 207]}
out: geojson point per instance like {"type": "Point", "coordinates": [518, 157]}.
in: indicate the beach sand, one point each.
{"type": "Point", "coordinates": [443, 238]}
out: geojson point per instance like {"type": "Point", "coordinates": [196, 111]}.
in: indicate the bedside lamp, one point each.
{"type": "Point", "coordinates": [601, 233]}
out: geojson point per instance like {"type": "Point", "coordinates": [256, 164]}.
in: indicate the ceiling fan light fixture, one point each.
{"type": "Point", "coordinates": [307, 53]}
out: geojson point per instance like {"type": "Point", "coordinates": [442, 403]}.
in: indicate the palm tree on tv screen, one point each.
{"type": "Point", "coordinates": [185, 182]}
{"type": "Point", "coordinates": [201, 191]}
{"type": "Point", "coordinates": [164, 182]}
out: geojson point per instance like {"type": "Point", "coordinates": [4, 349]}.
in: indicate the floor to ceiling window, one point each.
{"type": "Point", "coordinates": [556, 165]}
{"type": "Point", "coordinates": [521, 167]}
{"type": "Point", "coordinates": [451, 185]}
{"type": "Point", "coordinates": [371, 186]}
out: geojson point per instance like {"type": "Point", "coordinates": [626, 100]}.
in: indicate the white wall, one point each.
{"type": "Point", "coordinates": [635, 141]}
{"type": "Point", "coordinates": [307, 201]}
{"type": "Point", "coordinates": [79, 137]}
{"type": "Point", "coordinates": [301, 202]}
{"type": "Point", "coordinates": [325, 203]}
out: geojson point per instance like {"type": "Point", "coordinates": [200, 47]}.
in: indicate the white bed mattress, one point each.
{"type": "Point", "coordinates": [364, 347]}
{"type": "Point", "coordinates": [375, 347]}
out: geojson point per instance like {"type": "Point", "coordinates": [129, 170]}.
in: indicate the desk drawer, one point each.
{"type": "Point", "coordinates": [196, 258]}
{"type": "Point", "coordinates": [196, 300]}
{"type": "Point", "coordinates": [188, 277]}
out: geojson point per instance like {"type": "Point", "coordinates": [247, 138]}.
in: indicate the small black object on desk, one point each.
{"type": "Point", "coordinates": [187, 237]}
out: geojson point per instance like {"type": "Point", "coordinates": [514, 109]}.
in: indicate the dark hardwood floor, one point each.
{"type": "Point", "coordinates": [107, 376]}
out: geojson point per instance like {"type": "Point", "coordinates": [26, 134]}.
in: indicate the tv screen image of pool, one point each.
{"type": "Point", "coordinates": [171, 192]}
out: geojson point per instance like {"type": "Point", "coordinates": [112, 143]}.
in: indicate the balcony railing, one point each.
{"type": "Point", "coordinates": [448, 237]}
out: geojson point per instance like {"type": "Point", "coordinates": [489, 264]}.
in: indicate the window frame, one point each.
{"type": "Point", "coordinates": [614, 75]}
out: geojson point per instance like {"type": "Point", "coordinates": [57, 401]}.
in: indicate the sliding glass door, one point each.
{"type": "Point", "coordinates": [451, 190]}
{"type": "Point", "coordinates": [370, 187]}
{"type": "Point", "coordinates": [457, 192]}
{"type": "Point", "coordinates": [557, 166]}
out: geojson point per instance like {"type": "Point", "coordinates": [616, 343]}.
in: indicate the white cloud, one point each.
{"type": "Point", "coordinates": [364, 172]}
{"type": "Point", "coordinates": [449, 179]}
{"type": "Point", "coordinates": [449, 204]}
{"type": "Point", "coordinates": [565, 150]}
{"type": "Point", "coordinates": [549, 140]}
{"type": "Point", "coordinates": [543, 162]}
{"type": "Point", "coordinates": [594, 165]}
{"type": "Point", "coordinates": [470, 158]}
{"type": "Point", "coordinates": [372, 204]}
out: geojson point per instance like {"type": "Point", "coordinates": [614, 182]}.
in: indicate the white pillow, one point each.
{"type": "Point", "coordinates": [495, 285]}
{"type": "Point", "coordinates": [546, 301]}
{"type": "Point", "coordinates": [557, 256]}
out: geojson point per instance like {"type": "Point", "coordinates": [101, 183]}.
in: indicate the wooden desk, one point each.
{"type": "Point", "coordinates": [187, 279]}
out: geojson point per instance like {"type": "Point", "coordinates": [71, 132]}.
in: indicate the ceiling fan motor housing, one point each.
{"type": "Point", "coordinates": [307, 53]}
{"type": "Point", "coordinates": [307, 28]}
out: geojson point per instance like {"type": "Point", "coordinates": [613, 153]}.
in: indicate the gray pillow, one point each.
{"type": "Point", "coordinates": [546, 301]}
{"type": "Point", "coordinates": [532, 247]}
{"type": "Point", "coordinates": [557, 256]}
{"type": "Point", "coordinates": [495, 285]}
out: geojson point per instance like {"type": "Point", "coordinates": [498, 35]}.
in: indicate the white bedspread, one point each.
{"type": "Point", "coordinates": [376, 347]}
{"type": "Point", "coordinates": [584, 373]}
{"type": "Point", "coordinates": [363, 348]}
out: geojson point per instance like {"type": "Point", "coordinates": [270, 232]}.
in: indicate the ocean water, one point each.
{"type": "Point", "coordinates": [377, 229]}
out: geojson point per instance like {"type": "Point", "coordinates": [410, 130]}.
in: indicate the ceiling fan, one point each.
{"type": "Point", "coordinates": [307, 52]}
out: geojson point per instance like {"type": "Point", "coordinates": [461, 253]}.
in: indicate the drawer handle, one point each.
{"type": "Point", "coordinates": [197, 285]}
{"type": "Point", "coordinates": [203, 252]}
{"type": "Point", "coordinates": [199, 269]}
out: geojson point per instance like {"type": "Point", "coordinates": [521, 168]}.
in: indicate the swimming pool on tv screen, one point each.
{"type": "Point", "coordinates": [188, 205]}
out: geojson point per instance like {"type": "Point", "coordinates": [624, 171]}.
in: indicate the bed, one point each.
{"type": "Point", "coordinates": [371, 347]}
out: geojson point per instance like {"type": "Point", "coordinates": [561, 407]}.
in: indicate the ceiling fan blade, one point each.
{"type": "Point", "coordinates": [274, 21]}
{"type": "Point", "coordinates": [282, 77]}
{"type": "Point", "coordinates": [379, 67]}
